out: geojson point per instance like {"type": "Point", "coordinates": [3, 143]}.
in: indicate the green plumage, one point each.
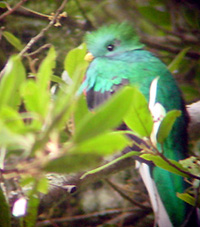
{"type": "Point", "coordinates": [119, 59]}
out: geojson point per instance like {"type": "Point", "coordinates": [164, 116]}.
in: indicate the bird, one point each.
{"type": "Point", "coordinates": [117, 59]}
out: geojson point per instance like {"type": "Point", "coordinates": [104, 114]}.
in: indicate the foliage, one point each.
{"type": "Point", "coordinates": [37, 130]}
{"type": "Point", "coordinates": [45, 125]}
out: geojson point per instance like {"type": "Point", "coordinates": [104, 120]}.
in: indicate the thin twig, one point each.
{"type": "Point", "coordinates": [181, 35]}
{"type": "Point", "coordinates": [176, 167]}
{"type": "Point", "coordinates": [153, 150]}
{"type": "Point", "coordinates": [45, 46]}
{"type": "Point", "coordinates": [84, 216]}
{"type": "Point", "coordinates": [157, 43]}
{"type": "Point", "coordinates": [12, 10]}
{"type": "Point", "coordinates": [41, 34]}
{"type": "Point", "coordinates": [125, 196]}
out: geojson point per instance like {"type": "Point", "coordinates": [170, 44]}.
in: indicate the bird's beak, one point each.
{"type": "Point", "coordinates": [89, 57]}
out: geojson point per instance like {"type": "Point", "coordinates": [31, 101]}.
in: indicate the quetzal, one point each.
{"type": "Point", "coordinates": [119, 59]}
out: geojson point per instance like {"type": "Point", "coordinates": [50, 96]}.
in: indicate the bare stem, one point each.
{"type": "Point", "coordinates": [12, 9]}
{"type": "Point", "coordinates": [125, 196]}
{"type": "Point", "coordinates": [42, 32]}
{"type": "Point", "coordinates": [176, 167]}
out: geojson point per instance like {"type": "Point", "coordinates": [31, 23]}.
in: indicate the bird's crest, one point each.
{"type": "Point", "coordinates": [121, 32]}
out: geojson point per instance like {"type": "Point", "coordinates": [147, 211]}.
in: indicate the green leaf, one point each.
{"type": "Point", "coordinates": [3, 4]}
{"type": "Point", "coordinates": [190, 92]}
{"type": "Point", "coordinates": [158, 161]}
{"type": "Point", "coordinates": [12, 79]}
{"type": "Point", "coordinates": [27, 181]}
{"type": "Point", "coordinates": [45, 71]}
{"type": "Point", "coordinates": [9, 138]}
{"type": "Point", "coordinates": [139, 118]}
{"type": "Point", "coordinates": [43, 185]}
{"type": "Point", "coordinates": [166, 125]}
{"type": "Point", "coordinates": [74, 58]}
{"type": "Point", "coordinates": [175, 64]}
{"type": "Point", "coordinates": [81, 110]}
{"type": "Point", "coordinates": [106, 117]}
{"type": "Point", "coordinates": [104, 144]}
{"type": "Point", "coordinates": [66, 97]}
{"type": "Point", "coordinates": [57, 79]}
{"type": "Point", "coordinates": [192, 164]}
{"type": "Point", "coordinates": [155, 15]}
{"type": "Point", "coordinates": [5, 211]}
{"type": "Point", "coordinates": [13, 40]}
{"type": "Point", "coordinates": [31, 93]}
{"type": "Point", "coordinates": [72, 162]}
{"type": "Point", "coordinates": [32, 211]}
{"type": "Point", "coordinates": [12, 119]}
{"type": "Point", "coordinates": [187, 198]}
{"type": "Point", "coordinates": [37, 93]}
{"type": "Point", "coordinates": [127, 155]}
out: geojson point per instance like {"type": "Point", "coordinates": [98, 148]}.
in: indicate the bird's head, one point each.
{"type": "Point", "coordinates": [112, 40]}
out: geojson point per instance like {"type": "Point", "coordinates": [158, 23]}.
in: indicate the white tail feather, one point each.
{"type": "Point", "coordinates": [161, 216]}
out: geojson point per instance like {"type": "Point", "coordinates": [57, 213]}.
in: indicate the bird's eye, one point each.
{"type": "Point", "coordinates": [110, 47]}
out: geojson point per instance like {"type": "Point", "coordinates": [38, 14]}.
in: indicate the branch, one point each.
{"type": "Point", "coordinates": [74, 183]}
{"type": "Point", "coordinates": [160, 43]}
{"type": "Point", "coordinates": [40, 49]}
{"type": "Point", "coordinates": [12, 10]}
{"type": "Point", "coordinates": [174, 166]}
{"type": "Point", "coordinates": [85, 217]}
{"type": "Point", "coordinates": [42, 32]}
{"type": "Point", "coordinates": [77, 181]}
{"type": "Point", "coordinates": [63, 185]}
{"type": "Point", "coordinates": [123, 195]}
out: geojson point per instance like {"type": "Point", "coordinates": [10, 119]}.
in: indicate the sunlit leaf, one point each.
{"type": "Point", "coordinates": [13, 40]}
{"type": "Point", "coordinates": [27, 180]}
{"type": "Point", "coordinates": [187, 198]}
{"type": "Point", "coordinates": [166, 125]}
{"type": "Point", "coordinates": [31, 93]}
{"type": "Point", "coordinates": [12, 119]}
{"type": "Point", "coordinates": [57, 79]}
{"type": "Point", "coordinates": [9, 138]}
{"type": "Point", "coordinates": [139, 118]}
{"type": "Point", "coordinates": [43, 185]}
{"type": "Point", "coordinates": [175, 64]}
{"type": "Point", "coordinates": [81, 110]}
{"type": "Point", "coordinates": [158, 161]}
{"type": "Point", "coordinates": [11, 81]}
{"type": "Point", "coordinates": [104, 144]}
{"type": "Point", "coordinates": [45, 71]}
{"type": "Point", "coordinates": [74, 58]}
{"type": "Point", "coordinates": [106, 117]}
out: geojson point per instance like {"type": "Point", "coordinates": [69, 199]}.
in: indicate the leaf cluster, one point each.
{"type": "Point", "coordinates": [45, 125]}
